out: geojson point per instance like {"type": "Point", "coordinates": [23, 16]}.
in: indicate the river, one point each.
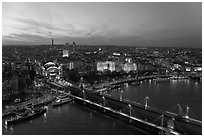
{"type": "Point", "coordinates": [74, 119]}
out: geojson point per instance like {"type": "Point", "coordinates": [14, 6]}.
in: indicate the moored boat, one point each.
{"type": "Point", "coordinates": [8, 114]}
{"type": "Point", "coordinates": [26, 115]}
{"type": "Point", "coordinates": [61, 101]}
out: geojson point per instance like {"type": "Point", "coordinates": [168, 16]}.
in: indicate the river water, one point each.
{"type": "Point", "coordinates": [74, 119]}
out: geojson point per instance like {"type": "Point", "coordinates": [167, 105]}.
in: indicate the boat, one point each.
{"type": "Point", "coordinates": [63, 95]}
{"type": "Point", "coordinates": [12, 113]}
{"type": "Point", "coordinates": [60, 101]}
{"type": "Point", "coordinates": [28, 114]}
{"type": "Point", "coordinates": [8, 114]}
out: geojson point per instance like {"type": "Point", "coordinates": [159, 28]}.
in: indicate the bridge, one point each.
{"type": "Point", "coordinates": [140, 115]}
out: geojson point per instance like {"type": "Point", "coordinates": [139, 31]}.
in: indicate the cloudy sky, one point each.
{"type": "Point", "coordinates": [135, 24]}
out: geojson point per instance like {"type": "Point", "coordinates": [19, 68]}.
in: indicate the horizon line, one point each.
{"type": "Point", "coordinates": [99, 45]}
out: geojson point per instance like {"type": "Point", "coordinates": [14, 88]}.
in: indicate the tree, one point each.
{"type": "Point", "coordinates": [74, 75]}
{"type": "Point", "coordinates": [92, 76]}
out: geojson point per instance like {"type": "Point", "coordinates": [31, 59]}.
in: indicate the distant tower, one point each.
{"type": "Point", "coordinates": [52, 41]}
{"type": "Point", "coordinates": [74, 47]}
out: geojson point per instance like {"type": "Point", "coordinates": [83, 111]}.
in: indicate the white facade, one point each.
{"type": "Point", "coordinates": [127, 67]}
{"type": "Point", "coordinates": [107, 65]}
{"type": "Point", "coordinates": [65, 53]}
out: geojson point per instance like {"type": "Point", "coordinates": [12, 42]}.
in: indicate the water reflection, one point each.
{"type": "Point", "coordinates": [165, 95]}
{"type": "Point", "coordinates": [113, 124]}
{"type": "Point", "coordinates": [162, 96]}
{"type": "Point", "coordinates": [31, 121]}
{"type": "Point", "coordinates": [196, 84]}
{"type": "Point", "coordinates": [58, 109]}
{"type": "Point", "coordinates": [45, 116]}
{"type": "Point", "coordinates": [90, 115]}
{"type": "Point", "coordinates": [11, 129]}
{"type": "Point", "coordinates": [5, 124]}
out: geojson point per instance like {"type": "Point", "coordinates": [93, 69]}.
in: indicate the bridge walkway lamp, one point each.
{"type": "Point", "coordinates": [104, 103]}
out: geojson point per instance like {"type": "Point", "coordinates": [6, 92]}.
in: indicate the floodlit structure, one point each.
{"type": "Point", "coordinates": [52, 70]}
{"type": "Point", "coordinates": [107, 65]}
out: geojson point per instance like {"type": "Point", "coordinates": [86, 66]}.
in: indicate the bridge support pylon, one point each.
{"type": "Point", "coordinates": [121, 95]}
{"type": "Point", "coordinates": [130, 109]}
{"type": "Point", "coordinates": [146, 102]}
{"type": "Point", "coordinates": [187, 112]}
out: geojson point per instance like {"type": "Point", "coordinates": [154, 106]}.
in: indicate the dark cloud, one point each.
{"type": "Point", "coordinates": [136, 24]}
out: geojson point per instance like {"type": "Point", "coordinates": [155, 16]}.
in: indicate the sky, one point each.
{"type": "Point", "coordinates": [119, 23]}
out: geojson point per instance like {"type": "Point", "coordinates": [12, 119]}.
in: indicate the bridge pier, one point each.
{"type": "Point", "coordinates": [146, 102]}
{"type": "Point", "coordinates": [187, 112]}
{"type": "Point", "coordinates": [121, 95]}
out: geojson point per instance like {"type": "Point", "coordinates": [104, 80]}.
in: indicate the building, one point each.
{"type": "Point", "coordinates": [107, 65]}
{"type": "Point", "coordinates": [188, 69]}
{"type": "Point", "coordinates": [127, 67]}
{"type": "Point", "coordinates": [52, 70]}
{"type": "Point", "coordinates": [198, 68]}
{"type": "Point", "coordinates": [65, 53]}
{"type": "Point", "coordinates": [74, 47]}
{"type": "Point", "coordinates": [116, 66]}
{"type": "Point", "coordinates": [70, 65]}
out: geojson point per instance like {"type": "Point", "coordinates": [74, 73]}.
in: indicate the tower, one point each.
{"type": "Point", "coordinates": [74, 47]}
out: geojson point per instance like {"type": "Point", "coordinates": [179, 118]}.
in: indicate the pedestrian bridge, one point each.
{"type": "Point", "coordinates": [140, 115]}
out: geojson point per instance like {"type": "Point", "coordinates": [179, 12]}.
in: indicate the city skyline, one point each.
{"type": "Point", "coordinates": [131, 24]}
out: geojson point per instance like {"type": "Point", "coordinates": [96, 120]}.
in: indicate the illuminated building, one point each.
{"type": "Point", "coordinates": [52, 70]}
{"type": "Point", "coordinates": [129, 60]}
{"type": "Point", "coordinates": [107, 65]}
{"type": "Point", "coordinates": [116, 66]}
{"type": "Point", "coordinates": [116, 54]}
{"type": "Point", "coordinates": [65, 53]}
{"type": "Point", "coordinates": [71, 65]}
{"type": "Point", "coordinates": [130, 67]}
{"type": "Point", "coordinates": [188, 69]}
{"type": "Point", "coordinates": [197, 68]}
{"type": "Point", "coordinates": [177, 66]}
